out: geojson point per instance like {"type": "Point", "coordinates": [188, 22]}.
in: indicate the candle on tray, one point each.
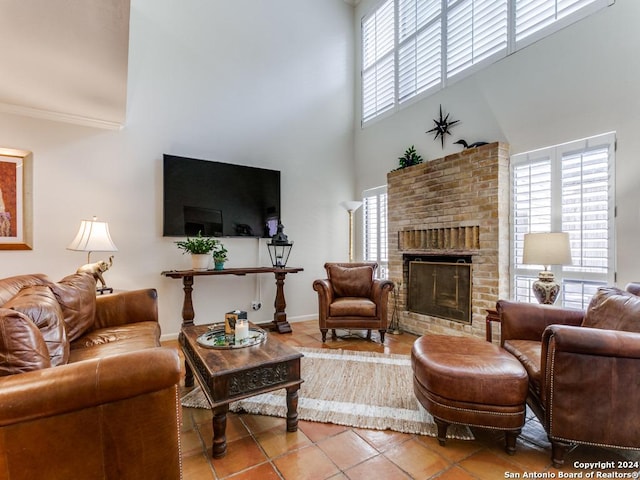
{"type": "Point", "coordinates": [242, 330]}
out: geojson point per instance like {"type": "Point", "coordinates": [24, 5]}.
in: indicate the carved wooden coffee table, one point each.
{"type": "Point", "coordinates": [227, 375]}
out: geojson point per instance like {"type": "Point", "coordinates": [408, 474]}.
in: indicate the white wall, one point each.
{"type": "Point", "coordinates": [581, 81]}
{"type": "Point", "coordinates": [267, 84]}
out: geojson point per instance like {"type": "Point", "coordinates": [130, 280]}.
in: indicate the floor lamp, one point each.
{"type": "Point", "coordinates": [351, 207]}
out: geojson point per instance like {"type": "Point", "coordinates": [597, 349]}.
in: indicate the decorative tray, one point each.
{"type": "Point", "coordinates": [216, 338]}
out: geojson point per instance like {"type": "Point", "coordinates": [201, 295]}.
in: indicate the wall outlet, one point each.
{"type": "Point", "coordinates": [256, 305]}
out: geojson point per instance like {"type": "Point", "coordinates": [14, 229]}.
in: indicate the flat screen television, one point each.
{"type": "Point", "coordinates": [219, 199]}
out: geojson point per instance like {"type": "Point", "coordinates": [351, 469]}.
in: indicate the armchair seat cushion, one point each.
{"type": "Point", "coordinates": [352, 306]}
{"type": "Point", "coordinates": [115, 340]}
{"type": "Point", "coordinates": [528, 353]}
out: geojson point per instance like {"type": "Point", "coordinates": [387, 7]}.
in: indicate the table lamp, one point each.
{"type": "Point", "coordinates": [93, 236]}
{"type": "Point", "coordinates": [546, 249]}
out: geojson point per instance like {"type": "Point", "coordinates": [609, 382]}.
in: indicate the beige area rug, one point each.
{"type": "Point", "coordinates": [356, 389]}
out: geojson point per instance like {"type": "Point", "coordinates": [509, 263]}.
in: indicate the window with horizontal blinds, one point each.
{"type": "Point", "coordinates": [413, 47]}
{"type": "Point", "coordinates": [476, 30]}
{"type": "Point", "coordinates": [567, 188]}
{"type": "Point", "coordinates": [374, 204]}
{"type": "Point", "coordinates": [533, 17]}
{"type": "Point", "coordinates": [378, 61]}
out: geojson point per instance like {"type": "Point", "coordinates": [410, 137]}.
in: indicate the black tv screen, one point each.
{"type": "Point", "coordinates": [219, 199]}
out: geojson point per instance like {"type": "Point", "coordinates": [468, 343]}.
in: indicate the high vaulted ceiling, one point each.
{"type": "Point", "coordinates": [65, 60]}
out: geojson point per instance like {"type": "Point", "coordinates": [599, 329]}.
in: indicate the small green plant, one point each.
{"type": "Point", "coordinates": [198, 245]}
{"type": "Point", "coordinates": [410, 157]}
{"type": "Point", "coordinates": [220, 253]}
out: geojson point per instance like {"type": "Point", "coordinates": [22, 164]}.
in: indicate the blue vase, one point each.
{"type": "Point", "coordinates": [218, 266]}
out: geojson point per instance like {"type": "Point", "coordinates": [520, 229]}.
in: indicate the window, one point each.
{"type": "Point", "coordinates": [566, 188]}
{"type": "Point", "coordinates": [375, 228]}
{"type": "Point", "coordinates": [411, 47]}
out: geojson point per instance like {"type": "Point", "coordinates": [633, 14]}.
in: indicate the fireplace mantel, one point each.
{"type": "Point", "coordinates": [455, 205]}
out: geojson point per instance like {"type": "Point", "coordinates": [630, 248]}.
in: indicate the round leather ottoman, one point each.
{"type": "Point", "coordinates": [469, 381]}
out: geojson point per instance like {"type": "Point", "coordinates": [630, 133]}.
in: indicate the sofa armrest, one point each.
{"type": "Point", "coordinates": [126, 307]}
{"type": "Point", "coordinates": [91, 418]}
{"type": "Point", "coordinates": [588, 374]}
{"type": "Point", "coordinates": [86, 384]}
{"type": "Point", "coordinates": [527, 321]}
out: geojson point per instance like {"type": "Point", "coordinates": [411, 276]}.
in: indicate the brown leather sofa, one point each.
{"type": "Point", "coordinates": [86, 391]}
{"type": "Point", "coordinates": [351, 298]}
{"type": "Point", "coordinates": [583, 368]}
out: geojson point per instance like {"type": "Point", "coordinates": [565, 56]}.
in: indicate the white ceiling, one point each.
{"type": "Point", "coordinates": [65, 59]}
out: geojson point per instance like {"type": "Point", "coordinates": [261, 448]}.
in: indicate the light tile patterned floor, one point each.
{"type": "Point", "coordinates": [259, 448]}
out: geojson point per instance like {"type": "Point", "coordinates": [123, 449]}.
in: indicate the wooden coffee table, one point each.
{"type": "Point", "coordinates": [229, 375]}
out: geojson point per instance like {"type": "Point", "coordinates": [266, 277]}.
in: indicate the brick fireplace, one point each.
{"type": "Point", "coordinates": [450, 211]}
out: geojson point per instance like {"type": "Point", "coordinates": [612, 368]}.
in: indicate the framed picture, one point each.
{"type": "Point", "coordinates": [15, 199]}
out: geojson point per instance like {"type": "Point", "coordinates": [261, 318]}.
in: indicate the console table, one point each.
{"type": "Point", "coordinates": [279, 324]}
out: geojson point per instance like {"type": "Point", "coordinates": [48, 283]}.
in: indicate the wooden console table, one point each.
{"type": "Point", "coordinates": [279, 324]}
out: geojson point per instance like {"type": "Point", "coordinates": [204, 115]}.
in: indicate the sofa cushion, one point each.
{"type": "Point", "coordinates": [39, 304]}
{"type": "Point", "coordinates": [22, 348]}
{"type": "Point", "coordinates": [351, 281]}
{"type": "Point", "coordinates": [115, 340]}
{"type": "Point", "coordinates": [76, 295]}
{"type": "Point", "coordinates": [12, 285]}
{"type": "Point", "coordinates": [528, 352]}
{"type": "Point", "coordinates": [613, 309]}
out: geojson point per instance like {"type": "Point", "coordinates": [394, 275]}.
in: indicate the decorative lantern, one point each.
{"type": "Point", "coordinates": [279, 248]}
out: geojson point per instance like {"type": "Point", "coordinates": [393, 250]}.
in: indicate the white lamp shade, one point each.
{"type": "Point", "coordinates": [351, 206]}
{"type": "Point", "coordinates": [546, 249]}
{"type": "Point", "coordinates": [93, 236]}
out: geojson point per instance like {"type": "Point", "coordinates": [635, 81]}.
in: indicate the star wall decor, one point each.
{"type": "Point", "coordinates": [442, 127]}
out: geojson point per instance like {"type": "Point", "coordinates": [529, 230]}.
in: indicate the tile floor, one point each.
{"type": "Point", "coordinates": [259, 448]}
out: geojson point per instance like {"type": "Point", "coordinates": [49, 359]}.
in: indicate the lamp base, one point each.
{"type": "Point", "coordinates": [546, 289]}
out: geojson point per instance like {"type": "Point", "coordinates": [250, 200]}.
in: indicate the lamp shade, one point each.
{"type": "Point", "coordinates": [351, 206]}
{"type": "Point", "coordinates": [546, 249]}
{"type": "Point", "coordinates": [93, 236]}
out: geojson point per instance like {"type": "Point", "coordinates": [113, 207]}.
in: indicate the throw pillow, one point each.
{"type": "Point", "coordinates": [613, 309]}
{"type": "Point", "coordinates": [40, 305]}
{"type": "Point", "coordinates": [351, 281]}
{"type": "Point", "coordinates": [76, 295]}
{"type": "Point", "coordinates": [22, 348]}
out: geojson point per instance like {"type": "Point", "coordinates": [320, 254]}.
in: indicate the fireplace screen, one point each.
{"type": "Point", "coordinates": [440, 289]}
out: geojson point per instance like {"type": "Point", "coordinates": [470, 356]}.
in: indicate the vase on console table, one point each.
{"type": "Point", "coordinates": [200, 261]}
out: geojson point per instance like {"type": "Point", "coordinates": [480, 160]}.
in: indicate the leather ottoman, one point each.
{"type": "Point", "coordinates": [468, 381]}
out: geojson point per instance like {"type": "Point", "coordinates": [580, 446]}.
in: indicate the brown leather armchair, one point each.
{"type": "Point", "coordinates": [583, 367]}
{"type": "Point", "coordinates": [351, 298]}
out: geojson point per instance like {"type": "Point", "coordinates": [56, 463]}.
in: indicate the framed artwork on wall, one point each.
{"type": "Point", "coordinates": [15, 199]}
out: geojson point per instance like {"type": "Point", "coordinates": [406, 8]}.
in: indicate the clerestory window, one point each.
{"type": "Point", "coordinates": [412, 48]}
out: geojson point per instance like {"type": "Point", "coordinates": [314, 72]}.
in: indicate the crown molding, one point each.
{"type": "Point", "coordinates": [60, 117]}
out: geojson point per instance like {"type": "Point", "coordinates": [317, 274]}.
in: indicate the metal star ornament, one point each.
{"type": "Point", "coordinates": [442, 127]}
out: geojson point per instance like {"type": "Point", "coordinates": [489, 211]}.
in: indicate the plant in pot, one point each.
{"type": "Point", "coordinates": [200, 249]}
{"type": "Point", "coordinates": [219, 256]}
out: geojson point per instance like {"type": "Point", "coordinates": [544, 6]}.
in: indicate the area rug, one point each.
{"type": "Point", "coordinates": [357, 389]}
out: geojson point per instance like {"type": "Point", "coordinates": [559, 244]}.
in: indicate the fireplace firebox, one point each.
{"type": "Point", "coordinates": [440, 287]}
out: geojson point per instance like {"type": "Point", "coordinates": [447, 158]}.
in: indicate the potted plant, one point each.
{"type": "Point", "coordinates": [410, 158]}
{"type": "Point", "coordinates": [219, 256]}
{"type": "Point", "coordinates": [200, 249]}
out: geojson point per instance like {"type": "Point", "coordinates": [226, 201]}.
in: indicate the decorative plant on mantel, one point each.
{"type": "Point", "coordinates": [409, 158]}
{"type": "Point", "coordinates": [200, 249]}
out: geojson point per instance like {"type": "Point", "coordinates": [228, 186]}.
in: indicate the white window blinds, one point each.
{"type": "Point", "coordinates": [476, 30]}
{"type": "Point", "coordinates": [413, 47]}
{"type": "Point", "coordinates": [378, 62]}
{"type": "Point", "coordinates": [566, 188]}
{"type": "Point", "coordinates": [374, 203]}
